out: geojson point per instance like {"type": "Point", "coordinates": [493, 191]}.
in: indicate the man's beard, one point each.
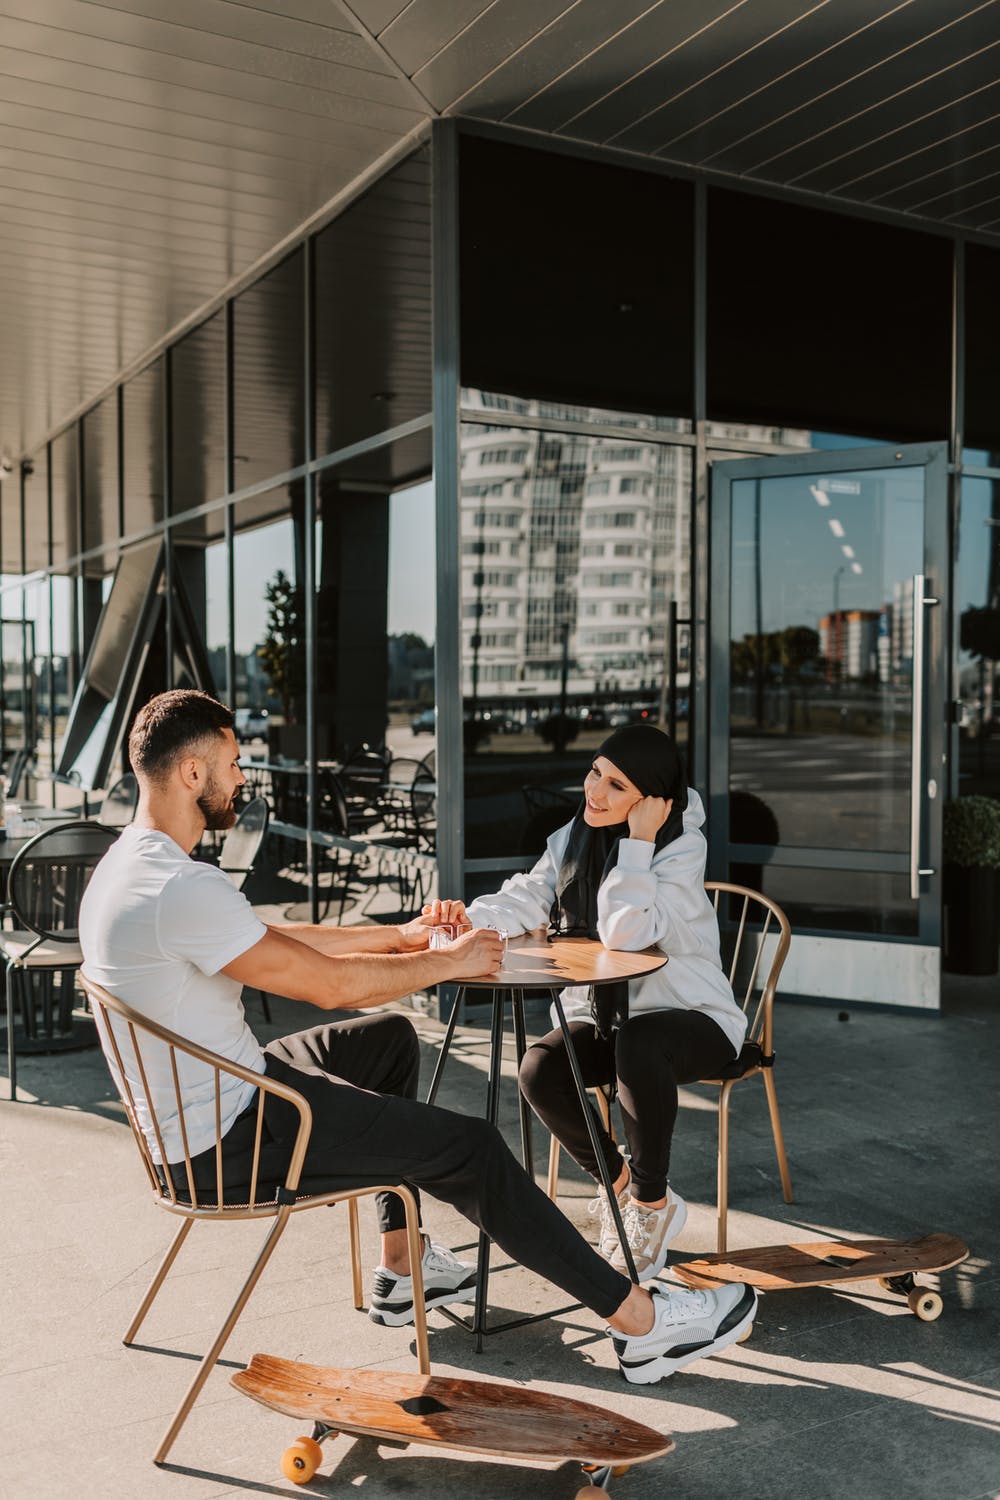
{"type": "Point", "coordinates": [218, 813]}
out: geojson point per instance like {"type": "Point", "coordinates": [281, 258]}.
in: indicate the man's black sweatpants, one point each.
{"type": "Point", "coordinates": [360, 1078]}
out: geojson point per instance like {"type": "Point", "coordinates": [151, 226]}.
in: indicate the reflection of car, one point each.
{"type": "Point", "coordinates": [250, 723]}
{"type": "Point", "coordinates": [425, 722]}
{"type": "Point", "coordinates": [503, 723]}
{"type": "Point", "coordinates": [629, 716]}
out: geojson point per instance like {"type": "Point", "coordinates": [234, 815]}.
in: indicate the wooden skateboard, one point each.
{"type": "Point", "coordinates": [777, 1268]}
{"type": "Point", "coordinates": [474, 1416]}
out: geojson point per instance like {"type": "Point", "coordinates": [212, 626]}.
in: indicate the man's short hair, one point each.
{"type": "Point", "coordinates": [172, 725]}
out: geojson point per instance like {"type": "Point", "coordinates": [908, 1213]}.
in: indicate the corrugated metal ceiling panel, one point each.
{"type": "Point", "coordinates": [150, 154]}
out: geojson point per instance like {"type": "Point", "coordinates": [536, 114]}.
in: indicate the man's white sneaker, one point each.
{"type": "Point", "coordinates": [446, 1280]}
{"type": "Point", "coordinates": [649, 1232]}
{"type": "Point", "coordinates": [686, 1326]}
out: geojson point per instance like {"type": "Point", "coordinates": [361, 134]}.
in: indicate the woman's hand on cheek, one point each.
{"type": "Point", "coordinates": [647, 816]}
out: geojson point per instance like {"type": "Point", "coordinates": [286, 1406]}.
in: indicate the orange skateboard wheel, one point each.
{"type": "Point", "coordinates": [300, 1462]}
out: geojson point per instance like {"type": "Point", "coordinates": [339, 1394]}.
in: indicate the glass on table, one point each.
{"type": "Point", "coordinates": [501, 933]}
{"type": "Point", "coordinates": [447, 932]}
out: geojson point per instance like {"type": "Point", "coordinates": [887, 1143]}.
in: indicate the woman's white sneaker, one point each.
{"type": "Point", "coordinates": [446, 1280]}
{"type": "Point", "coordinates": [686, 1326]}
{"type": "Point", "coordinates": [650, 1232]}
{"type": "Point", "coordinates": [607, 1236]}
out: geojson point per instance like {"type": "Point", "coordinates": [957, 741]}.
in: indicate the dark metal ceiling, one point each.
{"type": "Point", "coordinates": [150, 154]}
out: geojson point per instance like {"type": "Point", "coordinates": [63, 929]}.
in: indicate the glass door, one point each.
{"type": "Point", "coordinates": [827, 708]}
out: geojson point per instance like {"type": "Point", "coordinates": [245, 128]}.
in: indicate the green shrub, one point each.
{"type": "Point", "coordinates": [972, 832]}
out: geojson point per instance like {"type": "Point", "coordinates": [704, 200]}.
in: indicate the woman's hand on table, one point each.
{"type": "Point", "coordinates": [439, 913]}
{"type": "Point", "coordinates": [647, 816]}
{"type": "Point", "coordinates": [415, 934]}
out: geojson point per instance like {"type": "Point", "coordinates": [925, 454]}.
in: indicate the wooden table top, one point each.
{"type": "Point", "coordinates": [533, 963]}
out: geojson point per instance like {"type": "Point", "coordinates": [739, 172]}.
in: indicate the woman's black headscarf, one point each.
{"type": "Point", "coordinates": [652, 762]}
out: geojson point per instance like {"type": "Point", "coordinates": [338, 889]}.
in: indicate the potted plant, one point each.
{"type": "Point", "coordinates": [971, 885]}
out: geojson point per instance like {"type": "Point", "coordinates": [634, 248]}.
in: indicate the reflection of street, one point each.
{"type": "Point", "coordinates": [828, 791]}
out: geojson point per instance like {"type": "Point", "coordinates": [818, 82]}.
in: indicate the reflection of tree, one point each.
{"type": "Point", "coordinates": [411, 669]}
{"type": "Point", "coordinates": [282, 650]}
{"type": "Point", "coordinates": [779, 652]}
{"type": "Point", "coordinates": [980, 632]}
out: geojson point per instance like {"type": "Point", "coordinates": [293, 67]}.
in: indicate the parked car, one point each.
{"type": "Point", "coordinates": [502, 723]}
{"type": "Point", "coordinates": [425, 722]}
{"type": "Point", "coordinates": [631, 716]}
{"type": "Point", "coordinates": [251, 723]}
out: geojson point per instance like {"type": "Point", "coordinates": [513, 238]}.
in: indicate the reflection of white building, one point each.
{"type": "Point", "coordinates": [902, 626]}
{"type": "Point", "coordinates": [572, 549]}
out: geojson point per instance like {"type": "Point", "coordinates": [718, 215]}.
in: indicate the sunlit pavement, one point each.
{"type": "Point", "coordinates": [891, 1126]}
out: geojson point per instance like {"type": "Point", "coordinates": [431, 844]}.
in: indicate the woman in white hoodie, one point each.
{"type": "Point", "coordinates": [629, 870]}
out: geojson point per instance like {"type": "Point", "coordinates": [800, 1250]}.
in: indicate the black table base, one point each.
{"type": "Point", "coordinates": [478, 1324]}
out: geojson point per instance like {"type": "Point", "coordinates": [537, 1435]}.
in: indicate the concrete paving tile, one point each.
{"type": "Point", "coordinates": [833, 1395]}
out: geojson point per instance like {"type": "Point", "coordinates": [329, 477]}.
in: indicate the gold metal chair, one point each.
{"type": "Point", "coordinates": [754, 919]}
{"type": "Point", "coordinates": [128, 1047]}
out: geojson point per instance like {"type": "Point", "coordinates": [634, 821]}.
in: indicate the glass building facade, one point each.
{"type": "Point", "coordinates": [525, 444]}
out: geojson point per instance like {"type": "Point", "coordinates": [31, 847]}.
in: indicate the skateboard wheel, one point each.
{"type": "Point", "coordinates": [591, 1492]}
{"type": "Point", "coordinates": [745, 1335]}
{"type": "Point", "coordinates": [926, 1305]}
{"type": "Point", "coordinates": [300, 1462]}
{"type": "Point", "coordinates": [619, 1471]}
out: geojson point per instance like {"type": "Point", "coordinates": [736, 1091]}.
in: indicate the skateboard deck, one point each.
{"type": "Point", "coordinates": [475, 1416]}
{"type": "Point", "coordinates": [775, 1268]}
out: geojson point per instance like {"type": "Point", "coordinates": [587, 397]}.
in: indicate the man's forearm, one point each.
{"type": "Point", "coordinates": [333, 940]}
{"type": "Point", "coordinates": [282, 965]}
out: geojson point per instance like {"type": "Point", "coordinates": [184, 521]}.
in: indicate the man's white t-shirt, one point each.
{"type": "Point", "coordinates": [156, 927]}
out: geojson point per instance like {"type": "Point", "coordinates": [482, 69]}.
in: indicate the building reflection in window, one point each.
{"type": "Point", "coordinates": [574, 547]}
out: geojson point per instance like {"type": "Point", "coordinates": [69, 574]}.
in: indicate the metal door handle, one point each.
{"type": "Point", "coordinates": [916, 734]}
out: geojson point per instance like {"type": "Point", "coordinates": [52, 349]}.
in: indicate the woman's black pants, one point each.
{"type": "Point", "coordinates": [647, 1058]}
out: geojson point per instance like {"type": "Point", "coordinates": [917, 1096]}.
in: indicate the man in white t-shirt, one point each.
{"type": "Point", "coordinates": [174, 940]}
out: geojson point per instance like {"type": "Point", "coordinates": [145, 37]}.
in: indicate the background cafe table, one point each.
{"type": "Point", "coordinates": [534, 962]}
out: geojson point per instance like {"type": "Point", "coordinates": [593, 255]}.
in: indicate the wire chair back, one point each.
{"type": "Point", "coordinates": [120, 802]}
{"type": "Point", "coordinates": [242, 843]}
{"type": "Point", "coordinates": [332, 814]}
{"type": "Point", "coordinates": [49, 875]}
{"type": "Point", "coordinates": [747, 929]}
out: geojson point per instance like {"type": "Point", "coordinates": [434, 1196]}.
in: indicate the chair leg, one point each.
{"type": "Point", "coordinates": [415, 1243]}
{"type": "Point", "coordinates": [11, 1057]}
{"type": "Point", "coordinates": [552, 1185]}
{"type": "Point", "coordinates": [158, 1279]}
{"type": "Point", "coordinates": [354, 1231]}
{"type": "Point", "coordinates": [779, 1139]}
{"type": "Point", "coordinates": [232, 1317]}
{"type": "Point", "coordinates": [723, 1170]}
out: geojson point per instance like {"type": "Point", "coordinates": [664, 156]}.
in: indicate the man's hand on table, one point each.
{"type": "Point", "coordinates": [475, 953]}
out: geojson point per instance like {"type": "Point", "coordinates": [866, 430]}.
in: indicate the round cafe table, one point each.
{"type": "Point", "coordinates": [537, 962]}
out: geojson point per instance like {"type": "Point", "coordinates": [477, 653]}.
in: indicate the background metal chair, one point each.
{"type": "Point", "coordinates": [242, 843]}
{"type": "Point", "coordinates": [129, 1041]}
{"type": "Point", "coordinates": [120, 802]}
{"type": "Point", "coordinates": [746, 929]}
{"type": "Point", "coordinates": [363, 776]}
{"type": "Point", "coordinates": [47, 879]}
{"type": "Point", "coordinates": [240, 848]}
